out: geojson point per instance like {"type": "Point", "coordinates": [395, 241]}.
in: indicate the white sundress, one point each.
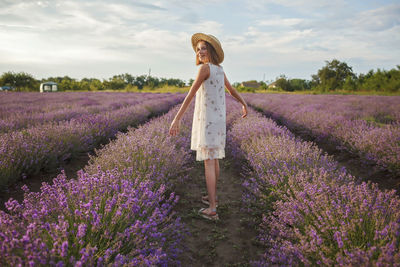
{"type": "Point", "coordinates": [209, 118]}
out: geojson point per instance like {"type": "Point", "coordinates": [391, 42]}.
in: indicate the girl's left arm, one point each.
{"type": "Point", "coordinates": [235, 94]}
{"type": "Point", "coordinates": [203, 74]}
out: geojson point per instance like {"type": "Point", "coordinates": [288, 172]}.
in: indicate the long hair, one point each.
{"type": "Point", "coordinates": [211, 53]}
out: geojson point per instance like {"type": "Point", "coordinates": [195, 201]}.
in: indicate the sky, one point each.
{"type": "Point", "coordinates": [261, 39]}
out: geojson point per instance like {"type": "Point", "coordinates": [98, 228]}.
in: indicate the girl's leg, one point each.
{"type": "Point", "coordinates": [210, 171]}
{"type": "Point", "coordinates": [216, 177]}
{"type": "Point", "coordinates": [216, 171]}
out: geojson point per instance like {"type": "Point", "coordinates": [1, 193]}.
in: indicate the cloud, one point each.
{"type": "Point", "coordinates": [299, 6]}
{"type": "Point", "coordinates": [379, 19]}
{"type": "Point", "coordinates": [17, 26]}
{"type": "Point", "coordinates": [277, 21]}
{"type": "Point", "coordinates": [107, 37]}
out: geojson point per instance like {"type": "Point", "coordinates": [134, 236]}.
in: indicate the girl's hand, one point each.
{"type": "Point", "coordinates": [244, 110]}
{"type": "Point", "coordinates": [174, 129]}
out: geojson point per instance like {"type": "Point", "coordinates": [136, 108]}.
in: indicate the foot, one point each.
{"type": "Point", "coordinates": [209, 214]}
{"type": "Point", "coordinates": [204, 199]}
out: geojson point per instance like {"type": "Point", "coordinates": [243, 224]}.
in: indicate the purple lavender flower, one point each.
{"type": "Point", "coordinates": [368, 126]}
{"type": "Point", "coordinates": [45, 142]}
{"type": "Point", "coordinates": [310, 211]}
{"type": "Point", "coordinates": [117, 213]}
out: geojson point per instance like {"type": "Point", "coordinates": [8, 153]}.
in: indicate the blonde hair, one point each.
{"type": "Point", "coordinates": [211, 53]}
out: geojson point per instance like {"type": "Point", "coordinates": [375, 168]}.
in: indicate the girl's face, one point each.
{"type": "Point", "coordinates": [202, 52]}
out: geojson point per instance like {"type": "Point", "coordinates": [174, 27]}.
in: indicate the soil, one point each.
{"type": "Point", "coordinates": [34, 182]}
{"type": "Point", "coordinates": [230, 241]}
{"type": "Point", "coordinates": [361, 170]}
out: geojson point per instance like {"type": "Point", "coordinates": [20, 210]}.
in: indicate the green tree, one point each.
{"type": "Point", "coordinates": [84, 85]}
{"type": "Point", "coordinates": [96, 85]}
{"type": "Point", "coordinates": [128, 78]}
{"type": "Point", "coordinates": [350, 84]}
{"type": "Point", "coordinates": [381, 80]}
{"type": "Point", "coordinates": [283, 83]}
{"type": "Point", "coordinates": [8, 78]}
{"type": "Point", "coordinates": [140, 81]}
{"type": "Point", "coordinates": [20, 81]}
{"type": "Point", "coordinates": [299, 84]}
{"type": "Point", "coordinates": [263, 85]}
{"type": "Point", "coordinates": [65, 85]}
{"type": "Point", "coordinates": [333, 75]}
{"type": "Point", "coordinates": [117, 82]}
{"type": "Point", "coordinates": [152, 82]}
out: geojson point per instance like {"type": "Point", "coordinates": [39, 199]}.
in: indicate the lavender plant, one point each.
{"type": "Point", "coordinates": [114, 214]}
{"type": "Point", "coordinates": [368, 126]}
{"type": "Point", "coordinates": [148, 150]}
{"type": "Point", "coordinates": [310, 211]}
{"type": "Point", "coordinates": [23, 110]}
{"type": "Point", "coordinates": [43, 146]}
{"type": "Point", "coordinates": [103, 219]}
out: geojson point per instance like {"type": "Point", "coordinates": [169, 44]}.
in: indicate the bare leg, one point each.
{"type": "Point", "coordinates": [216, 177]}
{"type": "Point", "coordinates": [210, 171]}
{"type": "Point", "coordinates": [216, 169]}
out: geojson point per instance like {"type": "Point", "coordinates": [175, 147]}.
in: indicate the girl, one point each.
{"type": "Point", "coordinates": [209, 124]}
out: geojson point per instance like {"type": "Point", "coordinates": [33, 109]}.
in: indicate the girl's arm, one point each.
{"type": "Point", "coordinates": [203, 74]}
{"type": "Point", "coordinates": [235, 94]}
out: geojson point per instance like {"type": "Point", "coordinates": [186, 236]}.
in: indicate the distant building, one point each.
{"type": "Point", "coordinates": [272, 85]}
{"type": "Point", "coordinates": [48, 87]}
{"type": "Point", "coordinates": [6, 88]}
{"type": "Point", "coordinates": [251, 84]}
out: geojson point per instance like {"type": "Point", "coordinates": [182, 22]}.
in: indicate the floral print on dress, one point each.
{"type": "Point", "coordinates": [209, 117]}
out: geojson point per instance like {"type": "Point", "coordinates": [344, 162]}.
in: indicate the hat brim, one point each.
{"type": "Point", "coordinates": [211, 40]}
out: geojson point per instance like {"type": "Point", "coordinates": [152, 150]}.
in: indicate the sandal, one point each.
{"type": "Point", "coordinates": [204, 199]}
{"type": "Point", "coordinates": [213, 215]}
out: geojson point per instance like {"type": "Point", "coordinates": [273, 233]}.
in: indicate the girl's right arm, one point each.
{"type": "Point", "coordinates": [235, 94]}
{"type": "Point", "coordinates": [203, 74]}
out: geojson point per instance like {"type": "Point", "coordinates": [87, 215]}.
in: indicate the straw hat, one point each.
{"type": "Point", "coordinates": [211, 40]}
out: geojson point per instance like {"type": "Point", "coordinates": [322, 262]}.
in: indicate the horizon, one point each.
{"type": "Point", "coordinates": [261, 39]}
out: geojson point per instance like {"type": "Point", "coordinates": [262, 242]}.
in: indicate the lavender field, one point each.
{"type": "Point", "coordinates": [121, 208]}
{"type": "Point", "coordinates": [109, 214]}
{"type": "Point", "coordinates": [367, 126]}
{"type": "Point", "coordinates": [38, 131]}
{"type": "Point", "coordinates": [308, 209]}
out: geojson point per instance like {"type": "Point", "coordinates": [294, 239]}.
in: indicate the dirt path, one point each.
{"type": "Point", "coordinates": [227, 242]}
{"type": "Point", "coordinates": [358, 168]}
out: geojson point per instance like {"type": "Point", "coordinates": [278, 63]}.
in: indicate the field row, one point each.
{"type": "Point", "coordinates": [23, 110]}
{"type": "Point", "coordinates": [119, 210]}
{"type": "Point", "coordinates": [44, 146]}
{"type": "Point", "coordinates": [308, 210]}
{"type": "Point", "coordinates": [368, 126]}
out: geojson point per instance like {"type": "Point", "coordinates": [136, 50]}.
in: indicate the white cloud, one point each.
{"type": "Point", "coordinates": [379, 19]}
{"type": "Point", "coordinates": [310, 4]}
{"type": "Point", "coordinates": [278, 21]}
{"type": "Point", "coordinates": [89, 37]}
{"type": "Point", "coordinates": [211, 27]}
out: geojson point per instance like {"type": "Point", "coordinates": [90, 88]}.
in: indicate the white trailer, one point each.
{"type": "Point", "coordinates": [48, 87]}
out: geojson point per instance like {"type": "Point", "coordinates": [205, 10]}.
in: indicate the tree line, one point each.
{"type": "Point", "coordinates": [336, 75]}
{"type": "Point", "coordinates": [26, 82]}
